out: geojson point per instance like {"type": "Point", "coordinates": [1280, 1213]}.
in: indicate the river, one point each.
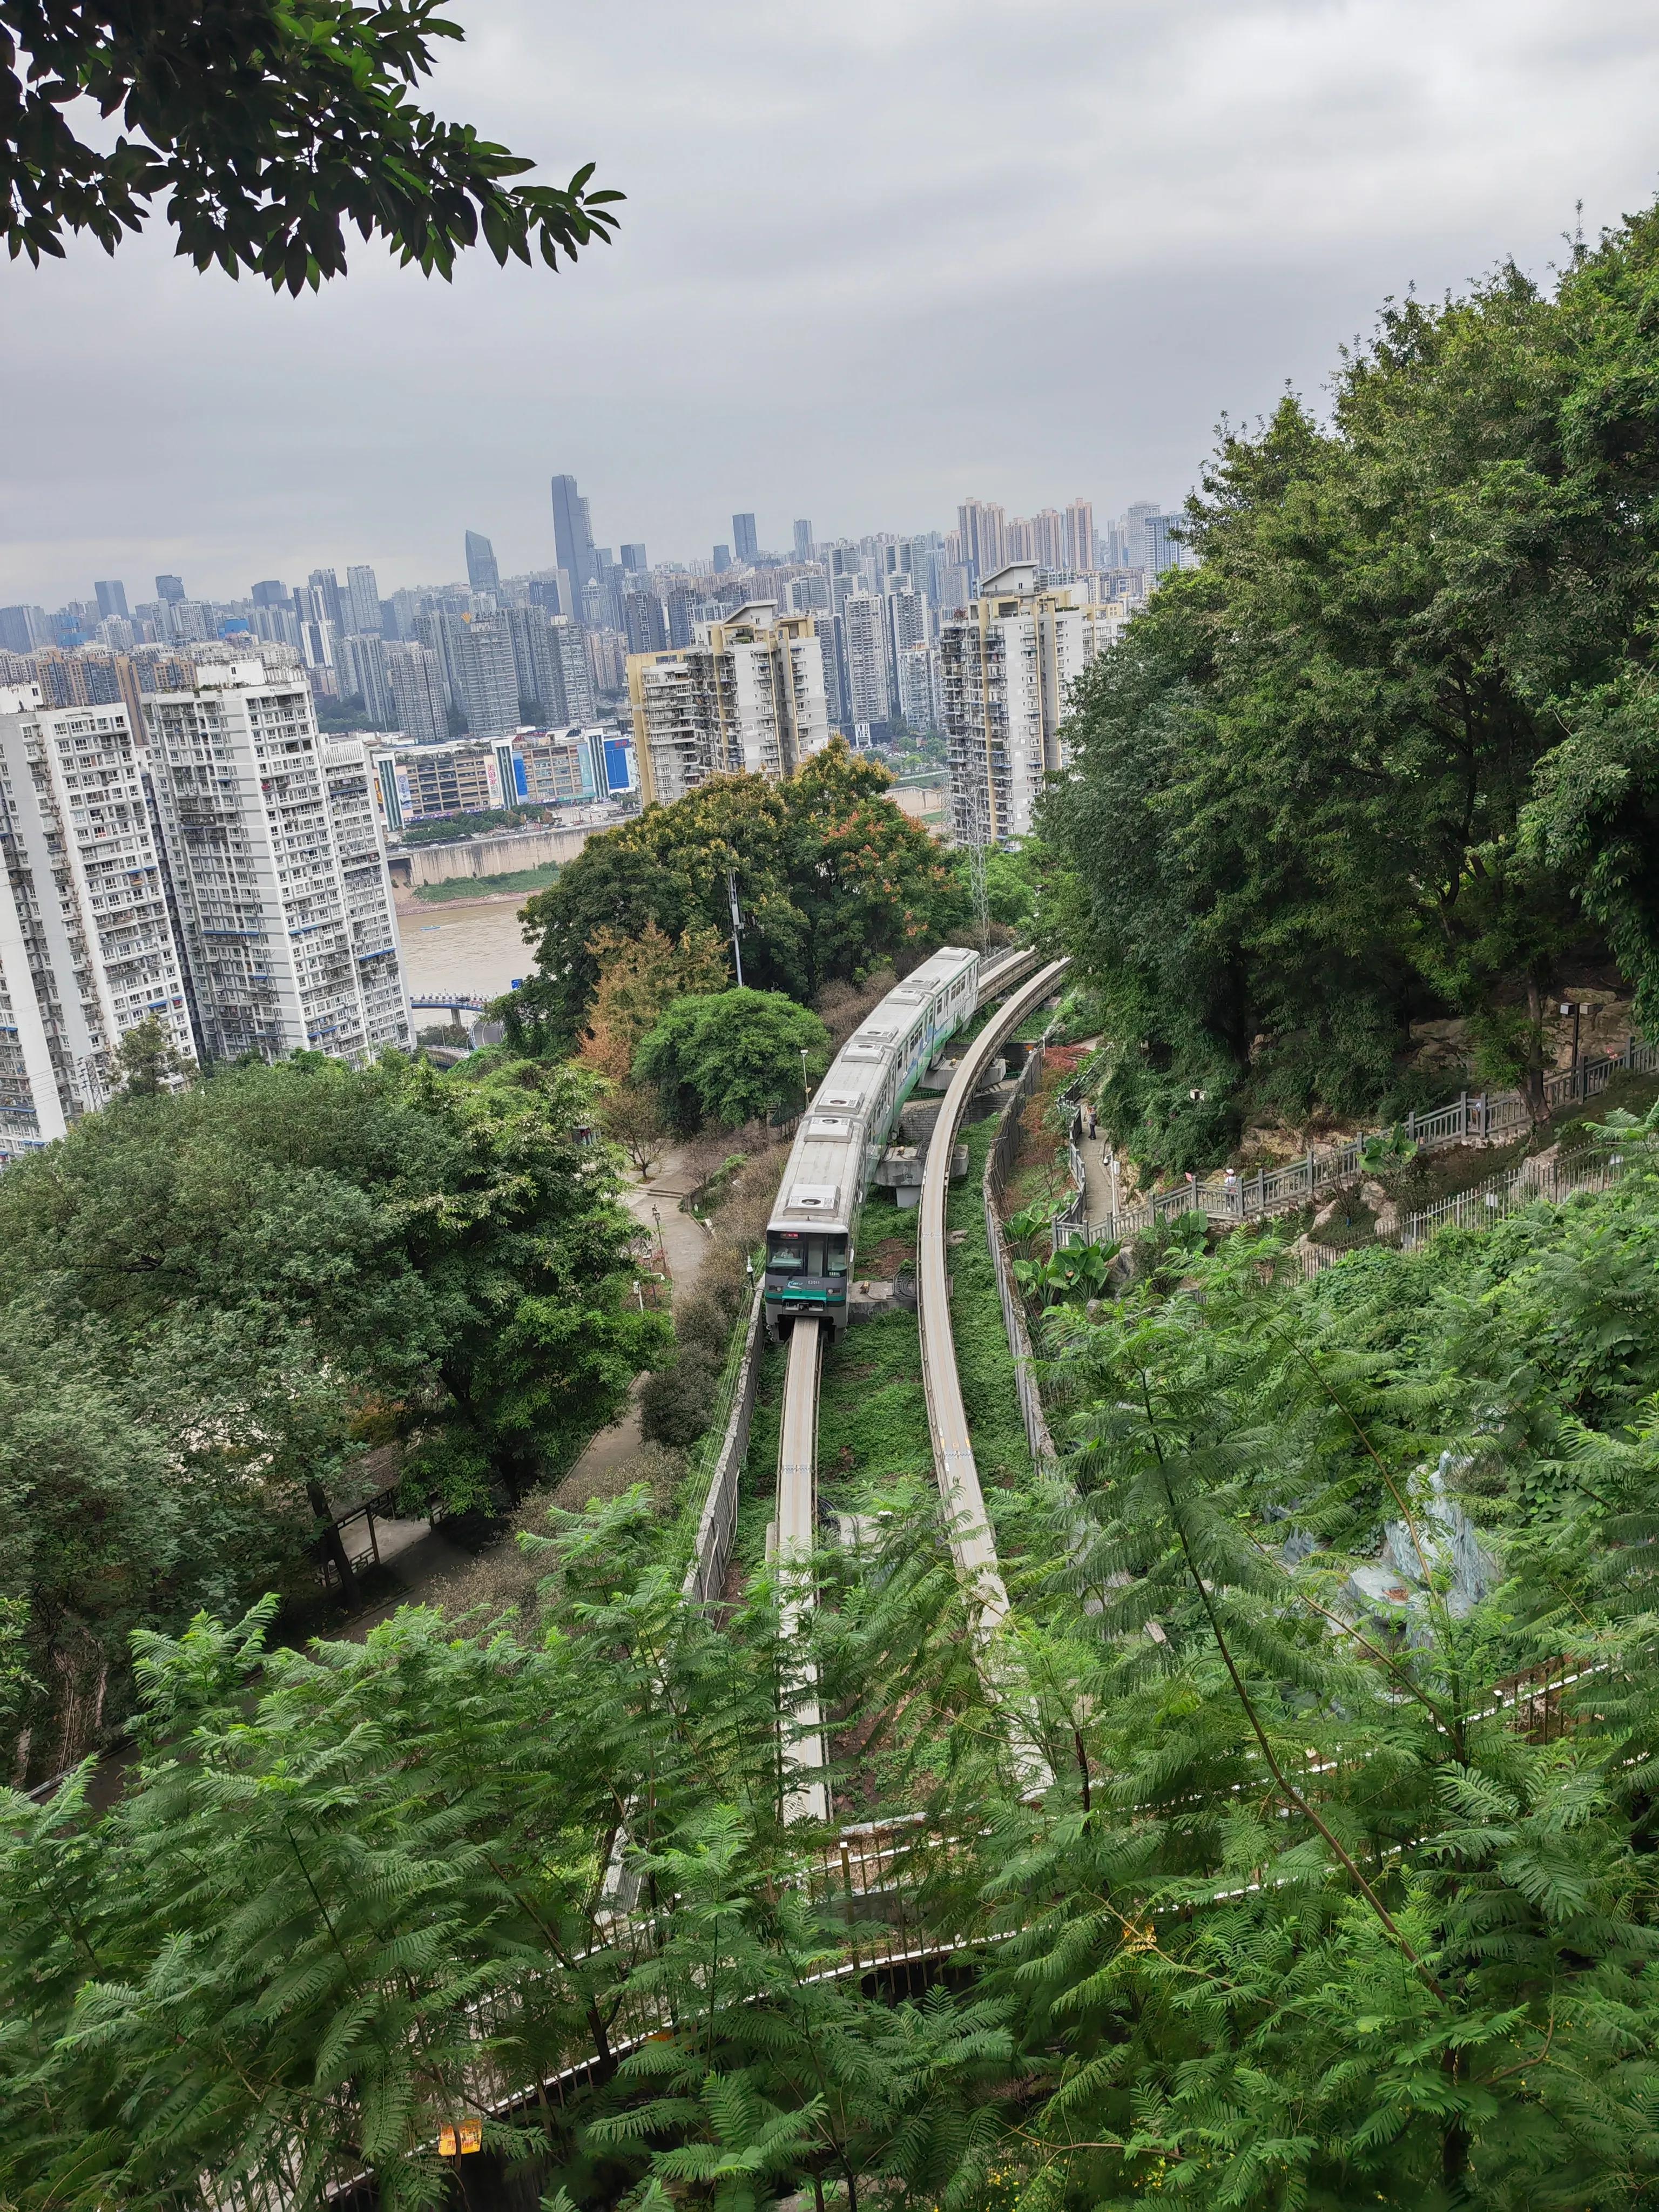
{"type": "Point", "coordinates": [472, 946]}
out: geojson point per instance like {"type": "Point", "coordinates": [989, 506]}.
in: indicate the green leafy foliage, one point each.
{"type": "Point", "coordinates": [216, 1299]}
{"type": "Point", "coordinates": [732, 1057]}
{"type": "Point", "coordinates": [833, 880]}
{"type": "Point", "coordinates": [268, 128]}
{"type": "Point", "coordinates": [1389, 752]}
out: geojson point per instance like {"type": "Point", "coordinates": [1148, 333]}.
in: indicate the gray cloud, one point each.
{"type": "Point", "coordinates": [874, 259]}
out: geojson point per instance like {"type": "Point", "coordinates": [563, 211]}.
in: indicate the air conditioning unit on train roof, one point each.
{"type": "Point", "coordinates": [812, 1198]}
{"type": "Point", "coordinates": [830, 1128]}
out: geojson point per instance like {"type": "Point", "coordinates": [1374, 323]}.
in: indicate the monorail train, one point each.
{"type": "Point", "coordinates": [809, 1239]}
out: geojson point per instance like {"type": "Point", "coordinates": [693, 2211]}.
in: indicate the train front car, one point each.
{"type": "Point", "coordinates": [809, 1239]}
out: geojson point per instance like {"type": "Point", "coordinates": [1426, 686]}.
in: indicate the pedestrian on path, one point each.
{"type": "Point", "coordinates": [1230, 1184]}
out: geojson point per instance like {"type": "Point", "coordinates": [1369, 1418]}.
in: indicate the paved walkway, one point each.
{"type": "Point", "coordinates": [686, 1245]}
{"type": "Point", "coordinates": [421, 1559]}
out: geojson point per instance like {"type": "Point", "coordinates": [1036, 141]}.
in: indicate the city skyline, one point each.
{"type": "Point", "coordinates": [1046, 251]}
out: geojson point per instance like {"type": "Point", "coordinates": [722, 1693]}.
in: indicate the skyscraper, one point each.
{"type": "Point", "coordinates": [1007, 663]}
{"type": "Point", "coordinates": [633, 560]}
{"type": "Point", "coordinates": [415, 678]}
{"type": "Point", "coordinates": [363, 608]}
{"type": "Point", "coordinates": [327, 584]}
{"type": "Point", "coordinates": [643, 622]}
{"type": "Point", "coordinates": [1165, 548]}
{"type": "Point", "coordinates": [273, 845]}
{"type": "Point", "coordinates": [112, 600]}
{"type": "Point", "coordinates": [270, 593]}
{"type": "Point", "coordinates": [749, 695]}
{"type": "Point", "coordinates": [803, 540]}
{"type": "Point", "coordinates": [361, 664]}
{"type": "Point", "coordinates": [170, 589]}
{"type": "Point", "coordinates": [481, 570]}
{"type": "Point", "coordinates": [744, 539]}
{"type": "Point", "coordinates": [87, 948]}
{"type": "Point", "coordinates": [981, 527]}
{"type": "Point", "coordinates": [1134, 533]}
{"type": "Point", "coordinates": [488, 690]}
{"type": "Point", "coordinates": [722, 559]}
{"type": "Point", "coordinates": [864, 619]}
{"type": "Point", "coordinates": [573, 535]}
{"type": "Point", "coordinates": [1079, 537]}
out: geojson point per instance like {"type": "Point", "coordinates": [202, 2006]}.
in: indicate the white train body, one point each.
{"type": "Point", "coordinates": [809, 1239]}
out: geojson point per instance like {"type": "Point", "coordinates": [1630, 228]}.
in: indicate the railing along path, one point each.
{"type": "Point", "coordinates": [1473, 1118]}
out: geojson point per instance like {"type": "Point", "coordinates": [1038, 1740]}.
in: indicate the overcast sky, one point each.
{"type": "Point", "coordinates": [877, 257]}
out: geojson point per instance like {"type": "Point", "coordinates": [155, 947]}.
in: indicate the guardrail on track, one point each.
{"type": "Point", "coordinates": [954, 1465]}
{"type": "Point", "coordinates": [705, 1578]}
{"type": "Point", "coordinates": [998, 1164]}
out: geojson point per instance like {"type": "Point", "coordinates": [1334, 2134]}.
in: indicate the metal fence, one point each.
{"type": "Point", "coordinates": [1483, 1119]}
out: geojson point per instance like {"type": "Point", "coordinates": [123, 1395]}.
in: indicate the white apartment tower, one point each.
{"type": "Point", "coordinates": [747, 694]}
{"type": "Point", "coordinates": [1007, 665]}
{"type": "Point", "coordinates": [88, 950]}
{"type": "Point", "coordinates": [864, 626]}
{"type": "Point", "coordinates": [275, 848]}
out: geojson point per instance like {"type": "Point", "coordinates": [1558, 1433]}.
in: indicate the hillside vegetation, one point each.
{"type": "Point", "coordinates": [1391, 752]}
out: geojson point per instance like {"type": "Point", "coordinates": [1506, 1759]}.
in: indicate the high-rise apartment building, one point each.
{"type": "Point", "coordinates": [415, 678]}
{"type": "Point", "coordinates": [633, 560]}
{"type": "Point", "coordinates": [981, 529]}
{"type": "Point", "coordinates": [907, 626]}
{"type": "Point", "coordinates": [87, 948]}
{"type": "Point", "coordinates": [864, 635]}
{"type": "Point", "coordinates": [802, 539]}
{"type": "Point", "coordinates": [1166, 547]}
{"type": "Point", "coordinates": [749, 693]}
{"type": "Point", "coordinates": [744, 543]}
{"type": "Point", "coordinates": [363, 672]}
{"type": "Point", "coordinates": [1134, 532]}
{"type": "Point", "coordinates": [271, 592]}
{"type": "Point", "coordinates": [572, 536]}
{"type": "Point", "coordinates": [487, 690]}
{"type": "Point", "coordinates": [113, 601]}
{"type": "Point", "coordinates": [644, 624]}
{"type": "Point", "coordinates": [918, 697]}
{"type": "Point", "coordinates": [326, 585]}
{"type": "Point", "coordinates": [1007, 664]}
{"type": "Point", "coordinates": [1079, 537]}
{"type": "Point", "coordinates": [274, 848]}
{"type": "Point", "coordinates": [362, 607]}
{"type": "Point", "coordinates": [482, 573]}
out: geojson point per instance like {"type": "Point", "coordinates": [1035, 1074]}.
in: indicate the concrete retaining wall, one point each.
{"type": "Point", "coordinates": [503, 855]}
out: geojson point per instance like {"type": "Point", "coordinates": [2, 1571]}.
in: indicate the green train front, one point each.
{"type": "Point", "coordinates": [809, 1239]}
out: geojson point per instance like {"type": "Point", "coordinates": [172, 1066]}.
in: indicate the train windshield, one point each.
{"type": "Point", "coordinates": [811, 1254]}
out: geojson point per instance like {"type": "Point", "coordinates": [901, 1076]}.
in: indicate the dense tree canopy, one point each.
{"type": "Point", "coordinates": [268, 127]}
{"type": "Point", "coordinates": [1391, 752]}
{"type": "Point", "coordinates": [1301, 1914]}
{"type": "Point", "coordinates": [832, 880]}
{"type": "Point", "coordinates": [732, 1056]}
{"type": "Point", "coordinates": [215, 1301]}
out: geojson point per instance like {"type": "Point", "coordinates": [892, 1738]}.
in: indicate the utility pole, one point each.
{"type": "Point", "coordinates": [737, 923]}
